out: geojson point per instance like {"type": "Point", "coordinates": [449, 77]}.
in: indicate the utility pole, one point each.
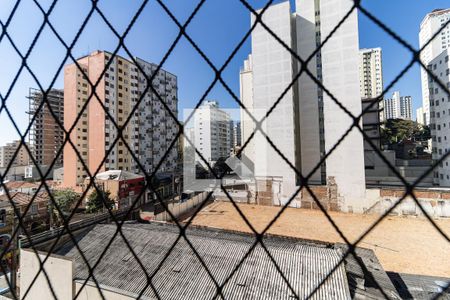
{"type": "Point", "coordinates": [50, 221]}
{"type": "Point", "coordinates": [14, 248]}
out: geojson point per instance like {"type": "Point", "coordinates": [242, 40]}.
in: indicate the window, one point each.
{"type": "Point", "coordinates": [34, 209]}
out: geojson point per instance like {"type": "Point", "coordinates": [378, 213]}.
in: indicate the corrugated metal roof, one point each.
{"type": "Point", "coordinates": [182, 276]}
{"type": "Point", "coordinates": [420, 287]}
{"type": "Point", "coordinates": [366, 276]}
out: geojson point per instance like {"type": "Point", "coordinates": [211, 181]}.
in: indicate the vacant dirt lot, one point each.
{"type": "Point", "coordinates": [406, 245]}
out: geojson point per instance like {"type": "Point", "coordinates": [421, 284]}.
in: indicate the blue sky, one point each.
{"type": "Point", "coordinates": [217, 29]}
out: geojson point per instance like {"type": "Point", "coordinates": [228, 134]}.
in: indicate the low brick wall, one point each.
{"type": "Point", "coordinates": [377, 201]}
{"type": "Point", "coordinates": [324, 194]}
{"type": "Point", "coordinates": [419, 193]}
{"type": "Point", "coordinates": [327, 196]}
{"type": "Point", "coordinates": [435, 202]}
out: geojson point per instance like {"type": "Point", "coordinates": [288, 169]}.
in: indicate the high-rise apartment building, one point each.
{"type": "Point", "coordinates": [307, 123]}
{"type": "Point", "coordinates": [370, 73]}
{"type": "Point", "coordinates": [371, 77]}
{"type": "Point", "coordinates": [430, 25]}
{"type": "Point", "coordinates": [398, 107]}
{"type": "Point", "coordinates": [237, 134]}
{"type": "Point", "coordinates": [420, 116]}
{"type": "Point", "coordinates": [211, 132]}
{"type": "Point", "coordinates": [440, 116]}
{"type": "Point", "coordinates": [7, 152]}
{"type": "Point", "coordinates": [46, 135]}
{"type": "Point", "coordinates": [149, 132]}
{"type": "Point", "coordinates": [231, 138]}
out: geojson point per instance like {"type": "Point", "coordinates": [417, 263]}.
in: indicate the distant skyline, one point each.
{"type": "Point", "coordinates": [216, 29]}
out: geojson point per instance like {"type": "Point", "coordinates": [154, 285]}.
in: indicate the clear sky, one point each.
{"type": "Point", "coordinates": [217, 29]}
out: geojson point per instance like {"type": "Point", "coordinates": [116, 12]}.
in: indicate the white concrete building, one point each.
{"type": "Point", "coordinates": [211, 132]}
{"type": "Point", "coordinates": [307, 123]}
{"type": "Point", "coordinates": [429, 26]}
{"type": "Point", "coordinates": [370, 73]}
{"type": "Point", "coordinates": [420, 116]}
{"type": "Point", "coordinates": [371, 76]}
{"type": "Point", "coordinates": [398, 107]}
{"type": "Point", "coordinates": [272, 71]}
{"type": "Point", "coordinates": [440, 116]}
{"type": "Point", "coordinates": [340, 74]}
{"type": "Point", "coordinates": [247, 124]}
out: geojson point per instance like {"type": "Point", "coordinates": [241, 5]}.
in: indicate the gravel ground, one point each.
{"type": "Point", "coordinates": [402, 244]}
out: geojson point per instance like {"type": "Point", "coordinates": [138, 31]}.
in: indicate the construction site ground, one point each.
{"type": "Point", "coordinates": [402, 244]}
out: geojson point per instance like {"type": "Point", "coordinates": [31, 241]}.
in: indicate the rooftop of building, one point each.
{"type": "Point", "coordinates": [117, 175]}
{"type": "Point", "coordinates": [434, 13]}
{"type": "Point", "coordinates": [304, 263]}
{"type": "Point", "coordinates": [363, 50]}
{"type": "Point", "coordinates": [137, 59]}
{"type": "Point", "coordinates": [21, 199]}
{"type": "Point", "coordinates": [14, 185]}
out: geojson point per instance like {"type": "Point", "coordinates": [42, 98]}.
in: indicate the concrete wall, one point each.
{"type": "Point", "coordinates": [377, 200]}
{"type": "Point", "coordinates": [179, 209]}
{"type": "Point", "coordinates": [381, 174]}
{"type": "Point", "coordinates": [59, 269]}
{"type": "Point", "coordinates": [272, 73]}
{"type": "Point", "coordinates": [267, 191]}
{"type": "Point", "coordinates": [247, 124]}
{"type": "Point", "coordinates": [60, 272]}
{"type": "Point", "coordinates": [90, 292]}
{"type": "Point", "coordinates": [435, 202]}
{"type": "Point", "coordinates": [308, 90]}
{"type": "Point", "coordinates": [340, 61]}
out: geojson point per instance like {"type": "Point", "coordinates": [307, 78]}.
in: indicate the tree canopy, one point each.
{"type": "Point", "coordinates": [66, 200]}
{"type": "Point", "coordinates": [396, 131]}
{"type": "Point", "coordinates": [97, 201]}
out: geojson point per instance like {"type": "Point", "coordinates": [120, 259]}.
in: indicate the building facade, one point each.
{"type": "Point", "coordinates": [124, 187]}
{"type": "Point", "coordinates": [237, 134]}
{"type": "Point", "coordinates": [147, 135]}
{"type": "Point", "coordinates": [211, 133]}
{"type": "Point", "coordinates": [398, 107]}
{"type": "Point", "coordinates": [272, 72]}
{"type": "Point", "coordinates": [231, 139]}
{"type": "Point", "coordinates": [420, 116]}
{"type": "Point", "coordinates": [307, 123]}
{"type": "Point", "coordinates": [46, 134]}
{"type": "Point", "coordinates": [370, 73]}
{"type": "Point", "coordinates": [7, 154]}
{"type": "Point", "coordinates": [432, 22]}
{"type": "Point", "coordinates": [247, 124]}
{"type": "Point", "coordinates": [371, 77]}
{"type": "Point", "coordinates": [371, 126]}
{"type": "Point", "coordinates": [440, 116]}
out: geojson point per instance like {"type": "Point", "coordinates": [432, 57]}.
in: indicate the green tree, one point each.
{"type": "Point", "coordinates": [396, 131]}
{"type": "Point", "coordinates": [97, 201]}
{"type": "Point", "coordinates": [66, 200]}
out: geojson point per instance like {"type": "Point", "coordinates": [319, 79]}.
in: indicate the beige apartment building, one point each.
{"type": "Point", "coordinates": [7, 154]}
{"type": "Point", "coordinates": [149, 132]}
